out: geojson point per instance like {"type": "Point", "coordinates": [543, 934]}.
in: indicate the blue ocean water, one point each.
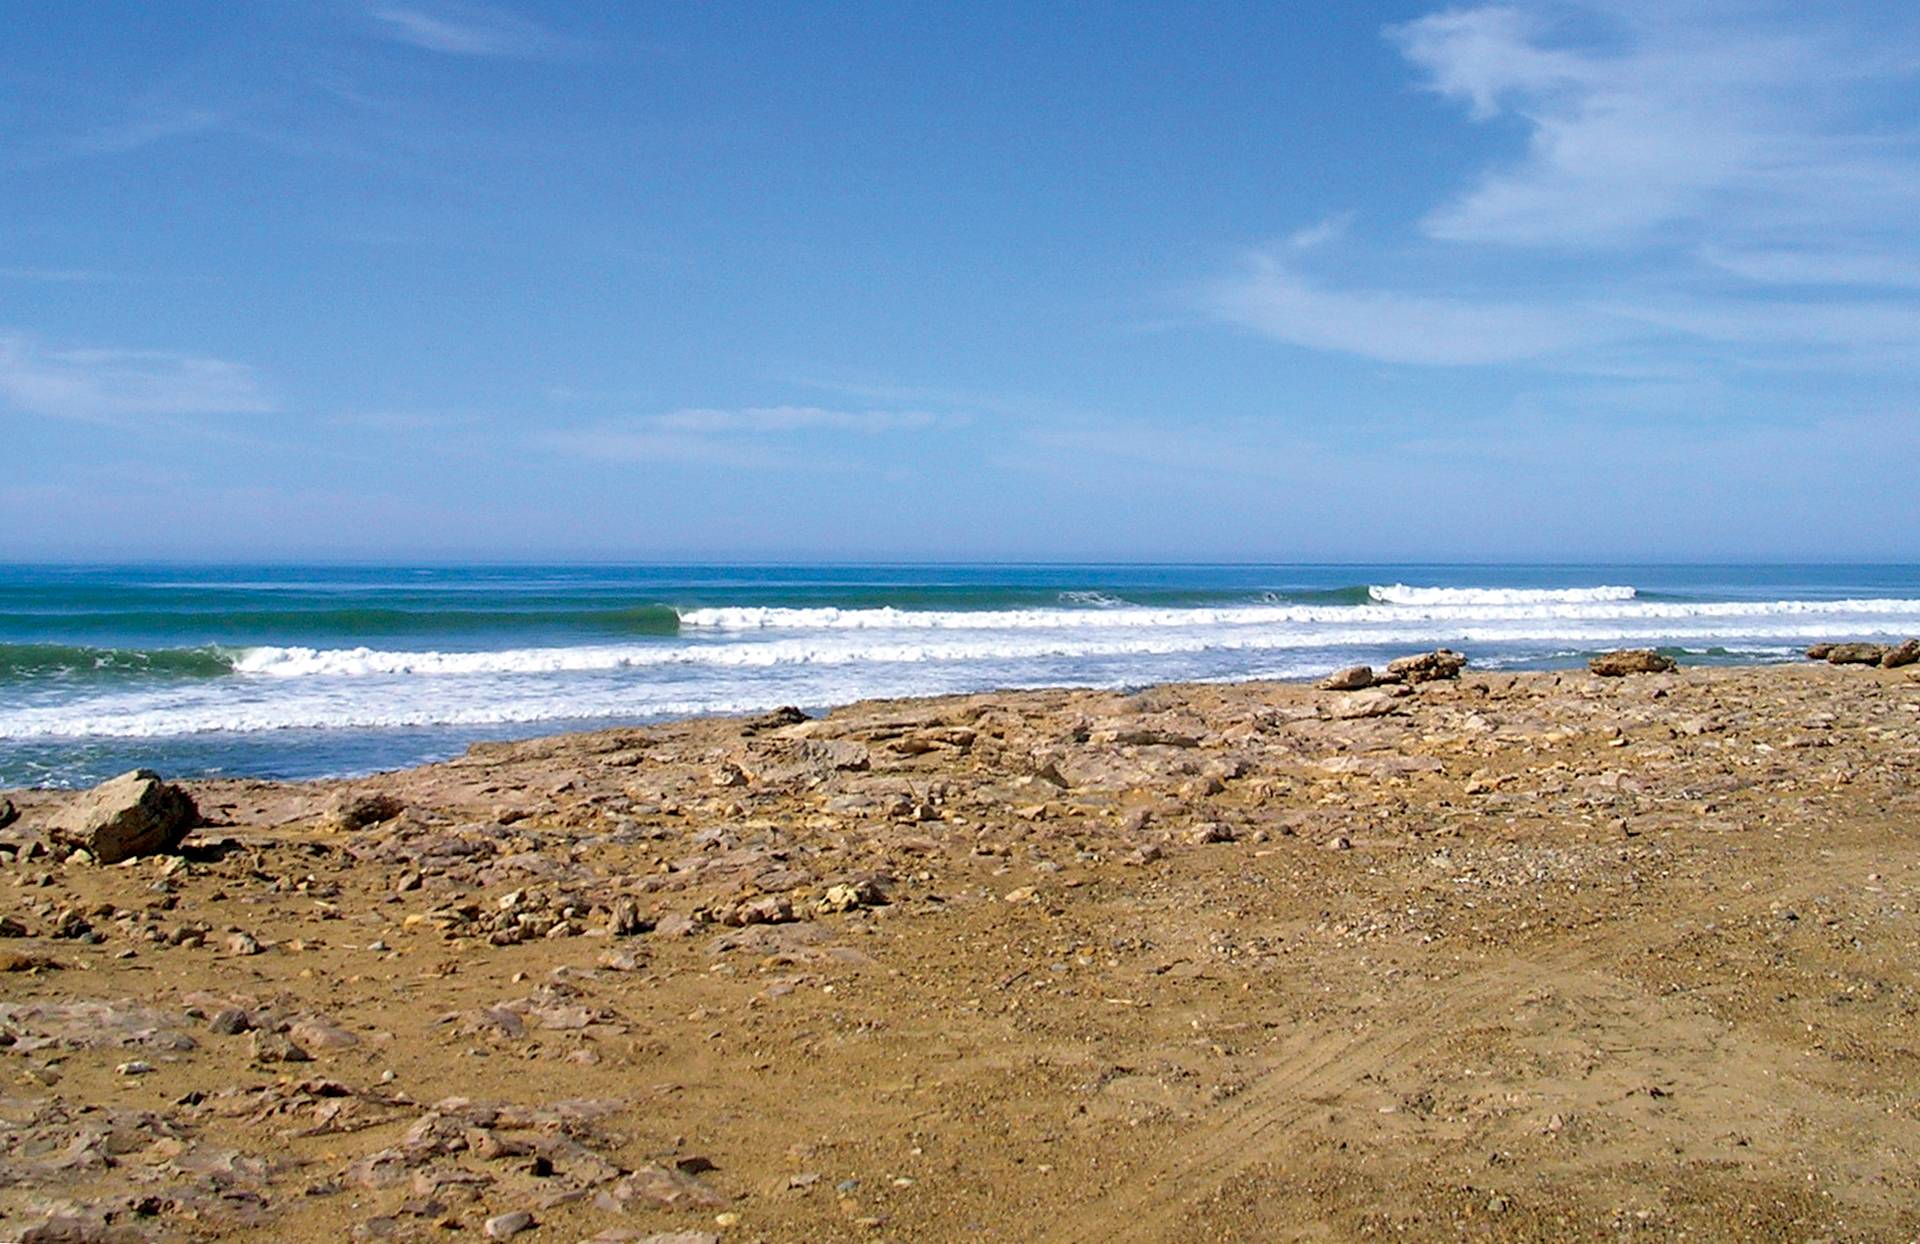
{"type": "Point", "coordinates": [300, 671]}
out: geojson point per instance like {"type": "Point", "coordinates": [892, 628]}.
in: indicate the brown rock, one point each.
{"type": "Point", "coordinates": [1818, 652]}
{"type": "Point", "coordinates": [271, 1047]}
{"type": "Point", "coordinates": [1855, 654]}
{"type": "Point", "coordinates": [133, 814]}
{"type": "Point", "coordinates": [1626, 661]}
{"type": "Point", "coordinates": [1441, 663]}
{"type": "Point", "coordinates": [1905, 654]}
{"type": "Point", "coordinates": [1352, 678]}
{"type": "Point", "coordinates": [8, 813]}
{"type": "Point", "coordinates": [350, 811]}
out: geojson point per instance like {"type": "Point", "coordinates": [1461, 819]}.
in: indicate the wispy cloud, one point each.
{"type": "Point", "coordinates": [1689, 117]}
{"type": "Point", "coordinates": [466, 30]}
{"type": "Point", "coordinates": [751, 436]}
{"type": "Point", "coordinates": [149, 125]}
{"type": "Point", "coordinates": [57, 276]}
{"type": "Point", "coordinates": [103, 385]}
{"type": "Point", "coordinates": [1270, 297]}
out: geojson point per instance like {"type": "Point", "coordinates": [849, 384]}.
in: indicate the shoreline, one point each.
{"type": "Point", "coordinates": [1242, 958]}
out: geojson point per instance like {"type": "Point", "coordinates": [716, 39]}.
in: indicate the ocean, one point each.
{"type": "Point", "coordinates": [308, 671]}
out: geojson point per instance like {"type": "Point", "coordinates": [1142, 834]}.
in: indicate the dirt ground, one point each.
{"type": "Point", "coordinates": [1513, 957]}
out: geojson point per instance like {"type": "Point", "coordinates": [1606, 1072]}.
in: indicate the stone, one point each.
{"type": "Point", "coordinates": [1352, 678]}
{"type": "Point", "coordinates": [1818, 652]}
{"type": "Point", "coordinates": [353, 811]}
{"type": "Point", "coordinates": [243, 944]}
{"type": "Point", "coordinates": [315, 1032]}
{"type": "Point", "coordinates": [272, 1047]}
{"type": "Point", "coordinates": [1373, 702]}
{"type": "Point", "coordinates": [508, 1225]}
{"type": "Point", "coordinates": [1626, 661]}
{"type": "Point", "coordinates": [1209, 832]}
{"type": "Point", "coordinates": [1855, 654]}
{"type": "Point", "coordinates": [8, 813]}
{"type": "Point", "coordinates": [132, 815]}
{"type": "Point", "coordinates": [1441, 663]}
{"type": "Point", "coordinates": [9, 927]}
{"type": "Point", "coordinates": [1895, 657]}
{"type": "Point", "coordinates": [625, 919]}
{"type": "Point", "coordinates": [230, 1022]}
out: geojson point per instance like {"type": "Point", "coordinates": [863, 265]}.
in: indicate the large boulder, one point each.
{"type": "Point", "coordinates": [1905, 654]}
{"type": "Point", "coordinates": [8, 813]}
{"type": "Point", "coordinates": [1855, 654]}
{"type": "Point", "coordinates": [1352, 678]}
{"type": "Point", "coordinates": [1428, 666]}
{"type": "Point", "coordinates": [1631, 661]}
{"type": "Point", "coordinates": [133, 814]}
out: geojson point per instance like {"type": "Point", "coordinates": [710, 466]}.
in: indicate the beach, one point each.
{"type": "Point", "coordinates": [1513, 955]}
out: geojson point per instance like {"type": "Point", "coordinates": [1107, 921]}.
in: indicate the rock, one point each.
{"type": "Point", "coordinates": [1373, 702]}
{"type": "Point", "coordinates": [243, 944]}
{"type": "Point", "coordinates": [1818, 652]}
{"type": "Point", "coordinates": [131, 815]}
{"type": "Point", "coordinates": [8, 813]}
{"type": "Point", "coordinates": [1441, 663]}
{"type": "Point", "coordinates": [316, 1032]}
{"type": "Point", "coordinates": [505, 1226]}
{"type": "Point", "coordinates": [271, 1047]}
{"type": "Point", "coordinates": [849, 897]}
{"type": "Point", "coordinates": [1209, 832]}
{"type": "Point", "coordinates": [1904, 654]}
{"type": "Point", "coordinates": [230, 1022]}
{"type": "Point", "coordinates": [1352, 678]}
{"type": "Point", "coordinates": [625, 919]}
{"type": "Point", "coordinates": [350, 811]}
{"type": "Point", "coordinates": [1626, 661]}
{"type": "Point", "coordinates": [9, 927]}
{"type": "Point", "coordinates": [1855, 654]}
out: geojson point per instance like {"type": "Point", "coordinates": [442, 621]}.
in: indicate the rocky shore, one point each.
{"type": "Point", "coordinates": [1630, 953]}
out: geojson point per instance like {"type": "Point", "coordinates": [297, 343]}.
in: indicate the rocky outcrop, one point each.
{"type": "Point", "coordinates": [1352, 678]}
{"type": "Point", "coordinates": [1631, 661]}
{"type": "Point", "coordinates": [1441, 663]}
{"type": "Point", "coordinates": [1895, 657]}
{"type": "Point", "coordinates": [133, 814]}
{"type": "Point", "coordinates": [1855, 654]}
{"type": "Point", "coordinates": [8, 813]}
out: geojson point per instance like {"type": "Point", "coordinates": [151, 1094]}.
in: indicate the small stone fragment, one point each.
{"type": "Point", "coordinates": [508, 1225]}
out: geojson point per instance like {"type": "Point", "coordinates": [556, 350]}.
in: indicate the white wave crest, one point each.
{"type": "Point", "coordinates": [1401, 594]}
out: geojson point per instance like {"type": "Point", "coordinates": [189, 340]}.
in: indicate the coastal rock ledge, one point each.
{"type": "Point", "coordinates": [1631, 661]}
{"type": "Point", "coordinates": [134, 814]}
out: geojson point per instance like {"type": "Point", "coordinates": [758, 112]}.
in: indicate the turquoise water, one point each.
{"type": "Point", "coordinates": [294, 671]}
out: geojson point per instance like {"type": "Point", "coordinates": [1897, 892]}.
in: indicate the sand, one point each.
{"type": "Point", "coordinates": [1535, 956]}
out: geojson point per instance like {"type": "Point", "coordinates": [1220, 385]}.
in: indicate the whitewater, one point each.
{"type": "Point", "coordinates": [297, 672]}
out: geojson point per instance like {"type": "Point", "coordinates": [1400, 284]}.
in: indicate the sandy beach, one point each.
{"type": "Point", "coordinates": [1517, 956]}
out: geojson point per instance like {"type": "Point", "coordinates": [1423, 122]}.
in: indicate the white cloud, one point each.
{"type": "Point", "coordinates": [752, 436]}
{"type": "Point", "coordinates": [105, 385]}
{"type": "Point", "coordinates": [775, 419]}
{"type": "Point", "coordinates": [1395, 327]}
{"type": "Point", "coordinates": [1683, 121]}
{"type": "Point", "coordinates": [465, 30]}
{"type": "Point", "coordinates": [1814, 266]}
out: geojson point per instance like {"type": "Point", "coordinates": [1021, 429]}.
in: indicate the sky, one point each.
{"type": "Point", "coordinates": [416, 280]}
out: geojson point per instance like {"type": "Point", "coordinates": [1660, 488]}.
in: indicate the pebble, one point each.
{"type": "Point", "coordinates": [505, 1226]}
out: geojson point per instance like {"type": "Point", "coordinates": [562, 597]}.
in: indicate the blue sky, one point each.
{"type": "Point", "coordinates": [405, 279]}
